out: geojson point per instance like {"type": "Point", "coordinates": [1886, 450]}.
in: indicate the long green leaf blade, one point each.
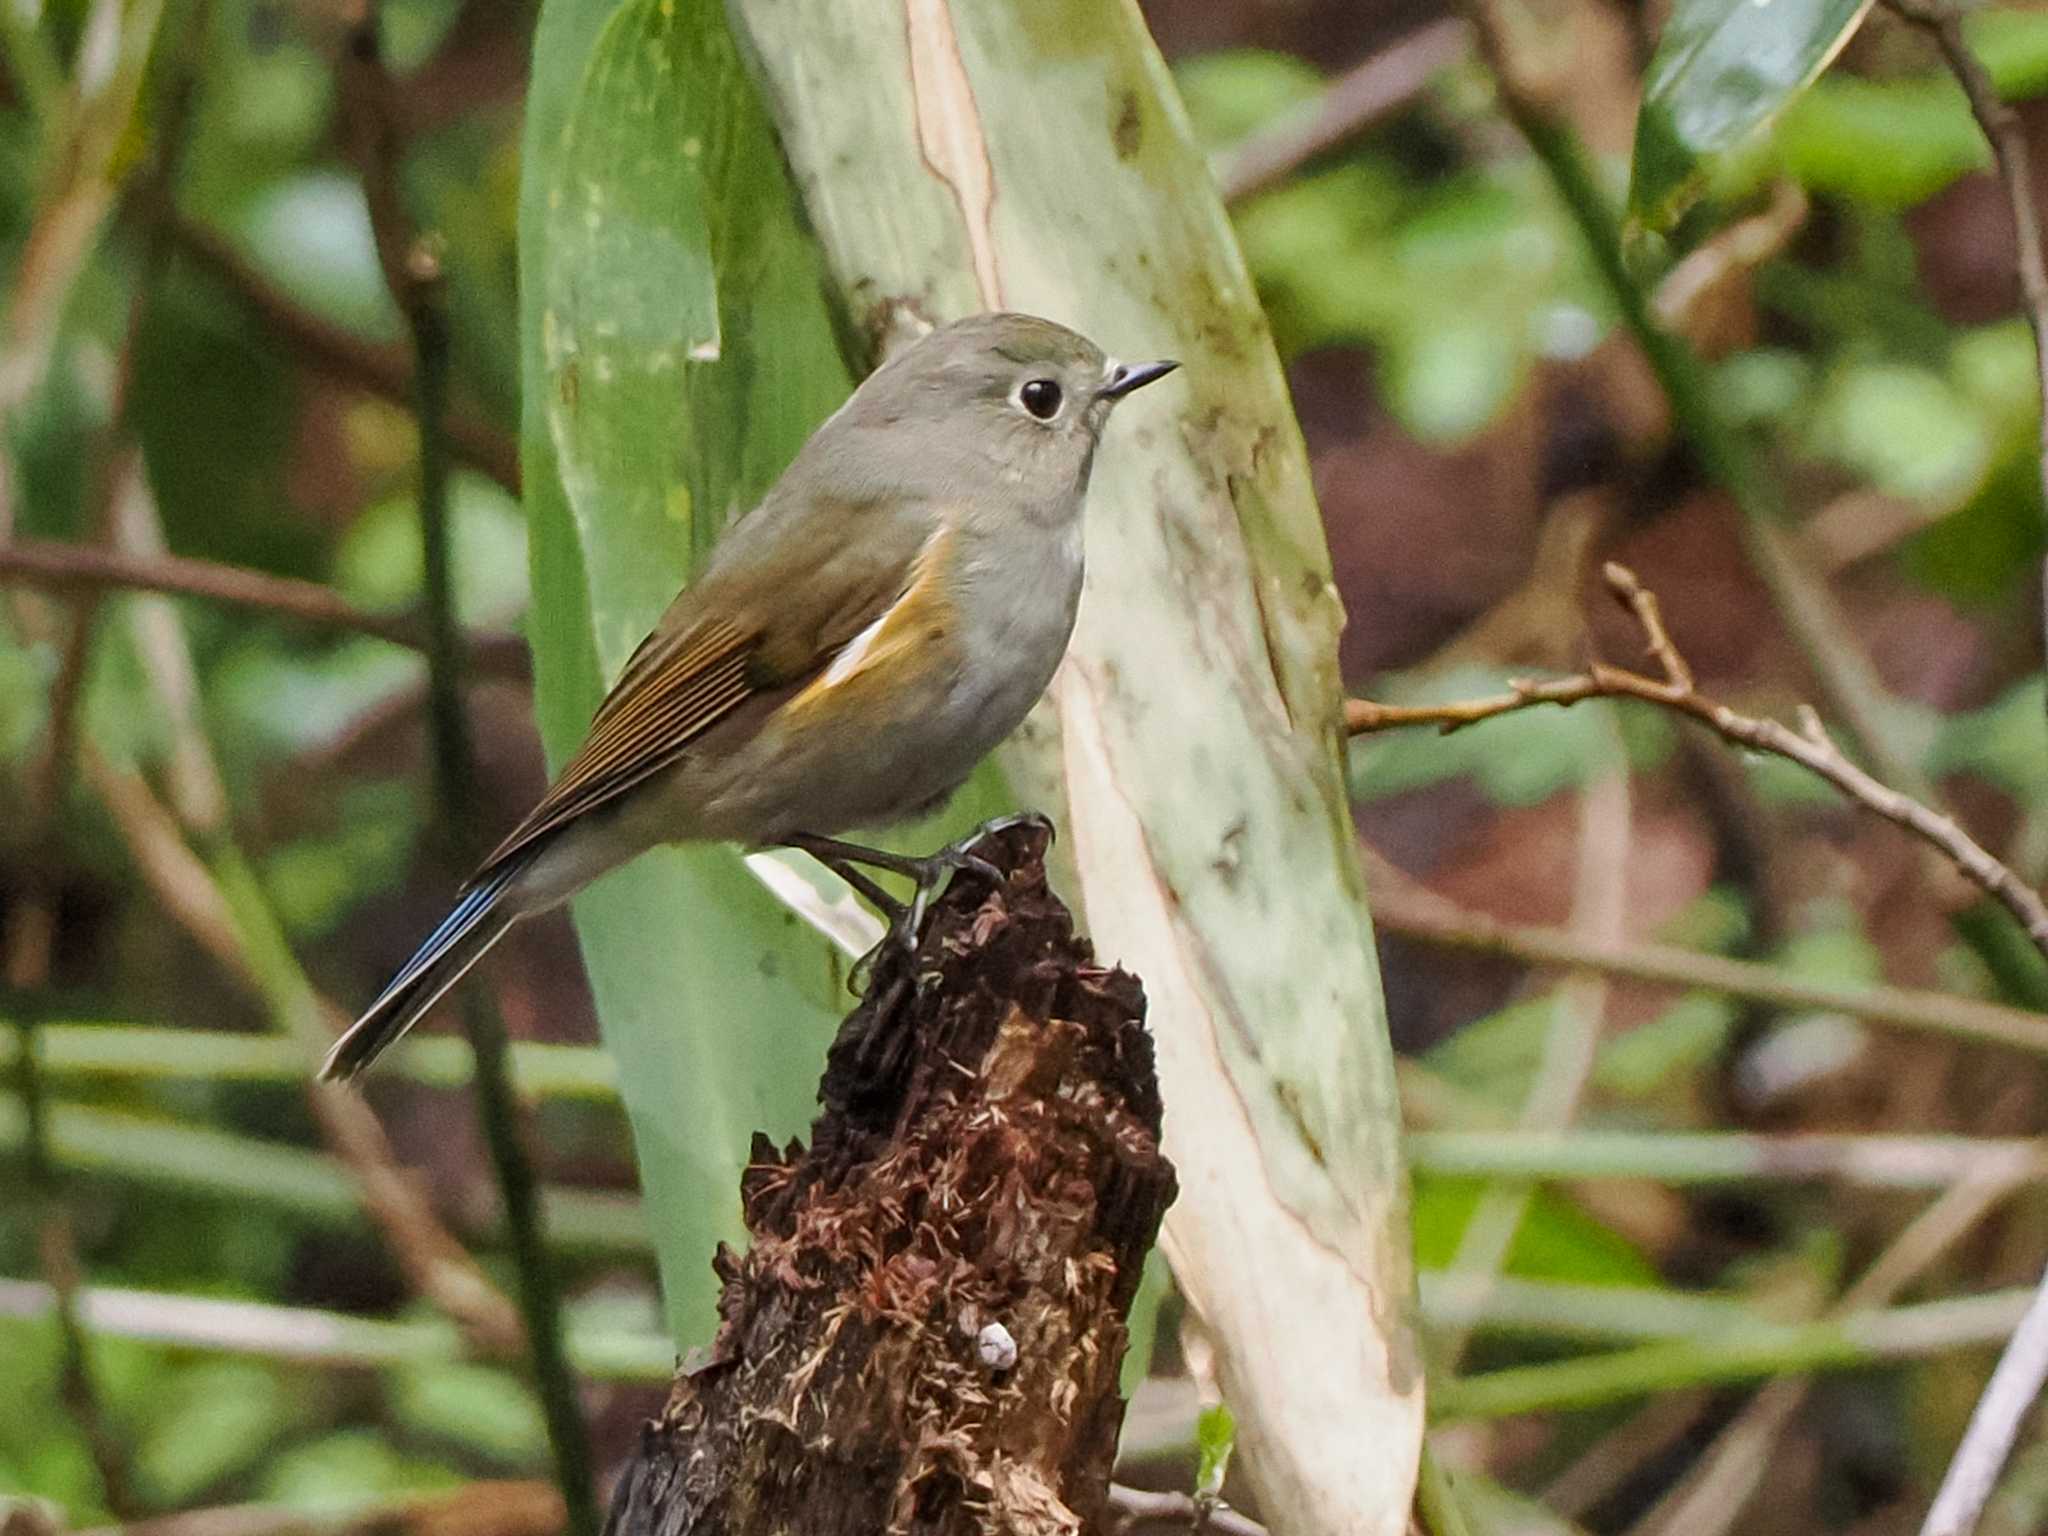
{"type": "Point", "coordinates": [676, 351]}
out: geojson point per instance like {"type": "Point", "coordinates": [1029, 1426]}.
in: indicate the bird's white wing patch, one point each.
{"type": "Point", "coordinates": [855, 651]}
{"type": "Point", "coordinates": [848, 661]}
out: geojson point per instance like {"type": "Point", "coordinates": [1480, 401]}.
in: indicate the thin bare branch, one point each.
{"type": "Point", "coordinates": [1352, 104]}
{"type": "Point", "coordinates": [1403, 907]}
{"type": "Point", "coordinates": [1143, 1506]}
{"type": "Point", "coordinates": [324, 347]}
{"type": "Point", "coordinates": [2007, 137]}
{"type": "Point", "coordinates": [60, 567]}
{"type": "Point", "coordinates": [1809, 746]}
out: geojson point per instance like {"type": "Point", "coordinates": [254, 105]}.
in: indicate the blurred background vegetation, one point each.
{"type": "Point", "coordinates": [202, 360]}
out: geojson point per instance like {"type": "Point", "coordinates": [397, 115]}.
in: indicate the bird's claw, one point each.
{"type": "Point", "coordinates": [930, 876]}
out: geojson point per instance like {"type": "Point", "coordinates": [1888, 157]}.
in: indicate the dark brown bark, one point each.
{"type": "Point", "coordinates": [987, 1166]}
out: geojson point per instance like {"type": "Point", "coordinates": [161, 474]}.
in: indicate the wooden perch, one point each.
{"type": "Point", "coordinates": [926, 1331]}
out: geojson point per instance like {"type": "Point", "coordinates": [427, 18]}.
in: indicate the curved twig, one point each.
{"type": "Point", "coordinates": [1809, 746]}
{"type": "Point", "coordinates": [58, 566]}
{"type": "Point", "coordinates": [1365, 95]}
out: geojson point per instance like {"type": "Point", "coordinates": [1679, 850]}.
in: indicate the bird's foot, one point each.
{"type": "Point", "coordinates": [929, 874]}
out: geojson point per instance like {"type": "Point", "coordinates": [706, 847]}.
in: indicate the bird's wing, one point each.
{"type": "Point", "coordinates": [700, 678]}
{"type": "Point", "coordinates": [713, 653]}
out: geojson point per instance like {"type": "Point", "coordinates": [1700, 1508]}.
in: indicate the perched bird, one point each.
{"type": "Point", "coordinates": [854, 646]}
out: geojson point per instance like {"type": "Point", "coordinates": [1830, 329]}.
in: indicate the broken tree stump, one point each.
{"type": "Point", "coordinates": [925, 1333]}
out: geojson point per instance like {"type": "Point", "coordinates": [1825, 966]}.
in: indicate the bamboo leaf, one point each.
{"type": "Point", "coordinates": [1723, 70]}
{"type": "Point", "coordinates": [1215, 1439]}
{"type": "Point", "coordinates": [655, 214]}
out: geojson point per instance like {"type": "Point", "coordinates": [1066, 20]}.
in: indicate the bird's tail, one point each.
{"type": "Point", "coordinates": [478, 921]}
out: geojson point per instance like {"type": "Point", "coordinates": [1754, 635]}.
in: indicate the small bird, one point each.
{"type": "Point", "coordinates": [855, 645]}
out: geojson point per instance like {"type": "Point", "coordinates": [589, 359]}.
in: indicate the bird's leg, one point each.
{"type": "Point", "coordinates": [863, 887]}
{"type": "Point", "coordinates": [930, 874]}
{"type": "Point", "coordinates": [897, 914]}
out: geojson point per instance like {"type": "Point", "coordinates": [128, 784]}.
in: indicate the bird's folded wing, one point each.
{"type": "Point", "coordinates": [674, 688]}
{"type": "Point", "coordinates": [711, 654]}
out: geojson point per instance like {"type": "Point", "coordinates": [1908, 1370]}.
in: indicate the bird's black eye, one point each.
{"type": "Point", "coordinates": [1041, 398]}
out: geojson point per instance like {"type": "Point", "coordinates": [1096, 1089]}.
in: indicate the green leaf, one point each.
{"type": "Point", "coordinates": [340, 1473]}
{"type": "Point", "coordinates": [1723, 69]}
{"type": "Point", "coordinates": [1834, 950]}
{"type": "Point", "coordinates": [212, 1420]}
{"type": "Point", "coordinates": [1449, 380]}
{"type": "Point", "coordinates": [360, 855]}
{"type": "Point", "coordinates": [676, 352]}
{"type": "Point", "coordinates": [1718, 920]}
{"type": "Point", "coordinates": [1886, 143]}
{"type": "Point", "coordinates": [1759, 386]}
{"type": "Point", "coordinates": [1686, 1038]}
{"type": "Point", "coordinates": [1215, 1439]}
{"type": "Point", "coordinates": [482, 1407]}
{"type": "Point", "coordinates": [1906, 430]}
{"type": "Point", "coordinates": [1232, 93]}
{"type": "Point", "coordinates": [1556, 1240]}
{"type": "Point", "coordinates": [268, 702]}
{"type": "Point", "coordinates": [631, 296]}
{"type": "Point", "coordinates": [216, 438]}
{"type": "Point", "coordinates": [1492, 1509]}
{"type": "Point", "coordinates": [2003, 743]}
{"type": "Point", "coordinates": [1979, 554]}
{"type": "Point", "coordinates": [1495, 1057]}
{"type": "Point", "coordinates": [1141, 1325]}
{"type": "Point", "coordinates": [2013, 45]}
{"type": "Point", "coordinates": [312, 233]}
{"type": "Point", "coordinates": [24, 696]}
{"type": "Point", "coordinates": [380, 561]}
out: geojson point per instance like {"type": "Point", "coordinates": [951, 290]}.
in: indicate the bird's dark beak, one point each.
{"type": "Point", "coordinates": [1130, 376]}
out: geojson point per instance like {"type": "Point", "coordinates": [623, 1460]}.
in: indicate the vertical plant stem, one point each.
{"type": "Point", "coordinates": [414, 270]}
{"type": "Point", "coordinates": [454, 753]}
{"type": "Point", "coordinates": [58, 1256]}
{"type": "Point", "coordinates": [1435, 1501]}
{"type": "Point", "coordinates": [2007, 136]}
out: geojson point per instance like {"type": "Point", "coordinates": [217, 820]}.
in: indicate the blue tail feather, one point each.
{"type": "Point", "coordinates": [471, 928]}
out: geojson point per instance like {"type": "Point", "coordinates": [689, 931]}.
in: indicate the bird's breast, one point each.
{"type": "Point", "coordinates": [1018, 614]}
